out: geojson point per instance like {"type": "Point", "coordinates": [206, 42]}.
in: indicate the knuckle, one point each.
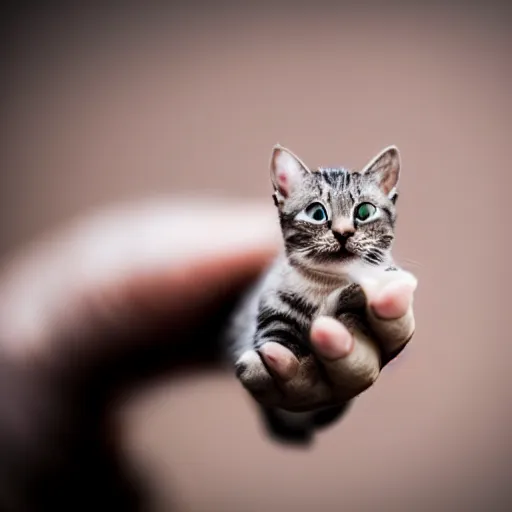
{"type": "Point", "coordinates": [366, 377]}
{"type": "Point", "coordinates": [373, 375]}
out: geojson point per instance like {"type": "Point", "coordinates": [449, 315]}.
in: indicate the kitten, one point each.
{"type": "Point", "coordinates": [338, 230]}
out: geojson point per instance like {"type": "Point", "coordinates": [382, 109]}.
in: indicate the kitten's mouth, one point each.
{"type": "Point", "coordinates": [343, 253]}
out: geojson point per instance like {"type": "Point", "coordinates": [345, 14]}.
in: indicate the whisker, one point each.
{"type": "Point", "coordinates": [408, 263]}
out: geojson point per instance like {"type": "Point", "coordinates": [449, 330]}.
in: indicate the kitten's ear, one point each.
{"type": "Point", "coordinates": [287, 172]}
{"type": "Point", "coordinates": [385, 169]}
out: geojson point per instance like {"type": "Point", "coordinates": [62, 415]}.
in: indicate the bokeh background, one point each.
{"type": "Point", "coordinates": [137, 101]}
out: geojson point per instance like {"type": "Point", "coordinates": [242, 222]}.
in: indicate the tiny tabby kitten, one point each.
{"type": "Point", "coordinates": [338, 230]}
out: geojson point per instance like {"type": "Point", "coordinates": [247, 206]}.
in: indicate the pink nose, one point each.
{"type": "Point", "coordinates": [343, 228]}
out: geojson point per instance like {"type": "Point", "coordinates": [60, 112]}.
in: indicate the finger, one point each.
{"type": "Point", "coordinates": [299, 380]}
{"type": "Point", "coordinates": [351, 360]}
{"type": "Point", "coordinates": [393, 301]}
{"type": "Point", "coordinates": [308, 389]}
{"type": "Point", "coordinates": [275, 377]}
{"type": "Point", "coordinates": [128, 265]}
{"type": "Point", "coordinates": [281, 361]}
{"type": "Point", "coordinates": [391, 316]}
{"type": "Point", "coordinates": [331, 339]}
{"type": "Point", "coordinates": [256, 378]}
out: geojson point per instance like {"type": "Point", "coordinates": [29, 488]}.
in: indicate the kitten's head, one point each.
{"type": "Point", "coordinates": [331, 217]}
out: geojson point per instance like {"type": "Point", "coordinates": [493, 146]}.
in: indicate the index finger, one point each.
{"type": "Point", "coordinates": [391, 316]}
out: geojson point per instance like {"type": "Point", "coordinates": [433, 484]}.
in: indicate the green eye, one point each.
{"type": "Point", "coordinates": [316, 212]}
{"type": "Point", "coordinates": [365, 210]}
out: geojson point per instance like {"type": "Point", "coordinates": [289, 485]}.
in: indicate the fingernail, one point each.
{"type": "Point", "coordinates": [393, 301]}
{"type": "Point", "coordinates": [280, 360]}
{"type": "Point", "coordinates": [331, 339]}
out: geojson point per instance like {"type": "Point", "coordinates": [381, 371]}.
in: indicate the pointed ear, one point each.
{"type": "Point", "coordinates": [287, 172]}
{"type": "Point", "coordinates": [385, 169]}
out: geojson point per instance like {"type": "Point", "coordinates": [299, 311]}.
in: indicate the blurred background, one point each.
{"type": "Point", "coordinates": [139, 101]}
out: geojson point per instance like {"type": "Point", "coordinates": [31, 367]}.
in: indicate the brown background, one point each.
{"type": "Point", "coordinates": [142, 102]}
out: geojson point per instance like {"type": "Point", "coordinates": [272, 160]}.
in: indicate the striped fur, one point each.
{"type": "Point", "coordinates": [319, 269]}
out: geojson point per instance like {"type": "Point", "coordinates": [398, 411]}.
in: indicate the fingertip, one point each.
{"type": "Point", "coordinates": [330, 338]}
{"type": "Point", "coordinates": [394, 300]}
{"type": "Point", "coordinates": [280, 360]}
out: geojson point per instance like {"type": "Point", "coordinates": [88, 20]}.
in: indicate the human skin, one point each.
{"type": "Point", "coordinates": [111, 299]}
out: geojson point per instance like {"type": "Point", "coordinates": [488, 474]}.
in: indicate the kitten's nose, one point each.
{"type": "Point", "coordinates": [342, 237]}
{"type": "Point", "coordinates": [343, 230]}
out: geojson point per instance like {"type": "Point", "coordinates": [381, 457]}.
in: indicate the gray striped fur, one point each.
{"type": "Point", "coordinates": [318, 270]}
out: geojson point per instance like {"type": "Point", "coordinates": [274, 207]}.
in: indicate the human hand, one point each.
{"type": "Point", "coordinates": [346, 355]}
